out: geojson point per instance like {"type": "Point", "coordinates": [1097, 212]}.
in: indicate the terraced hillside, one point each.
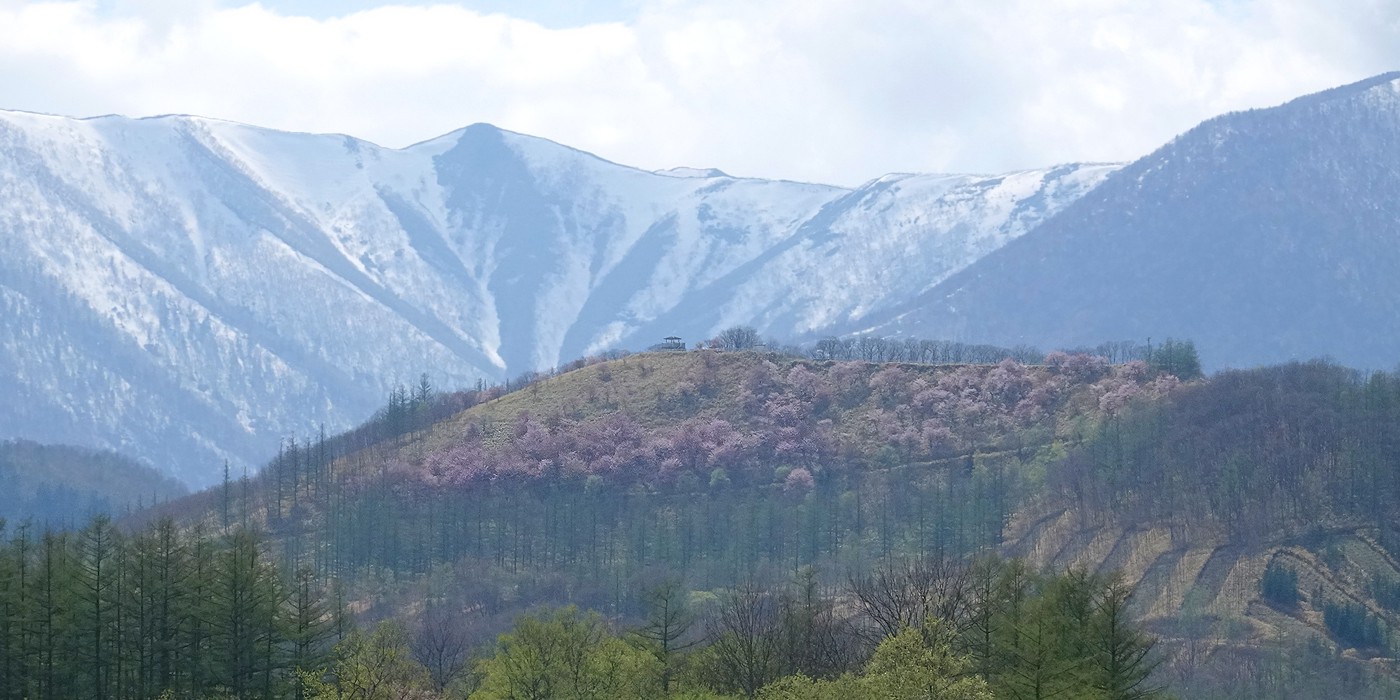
{"type": "Point", "coordinates": [1203, 595]}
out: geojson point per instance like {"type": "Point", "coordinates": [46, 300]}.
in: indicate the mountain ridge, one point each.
{"type": "Point", "coordinates": [276, 281]}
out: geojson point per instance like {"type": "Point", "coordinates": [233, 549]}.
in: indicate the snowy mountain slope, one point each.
{"type": "Point", "coordinates": [188, 290]}
{"type": "Point", "coordinates": [894, 238]}
{"type": "Point", "coordinates": [1264, 236]}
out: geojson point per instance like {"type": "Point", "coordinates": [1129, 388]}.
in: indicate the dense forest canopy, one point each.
{"type": "Point", "coordinates": [1285, 449]}
{"type": "Point", "coordinates": [162, 612]}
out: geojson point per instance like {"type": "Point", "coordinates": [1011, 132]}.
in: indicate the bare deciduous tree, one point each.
{"type": "Point", "coordinates": [905, 595]}
{"type": "Point", "coordinates": [442, 642]}
{"type": "Point", "coordinates": [745, 639]}
{"type": "Point", "coordinates": [736, 338]}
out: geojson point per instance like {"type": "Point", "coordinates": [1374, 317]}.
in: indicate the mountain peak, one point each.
{"type": "Point", "coordinates": [692, 172]}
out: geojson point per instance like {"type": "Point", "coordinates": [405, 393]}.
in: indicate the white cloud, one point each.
{"type": "Point", "coordinates": [807, 89]}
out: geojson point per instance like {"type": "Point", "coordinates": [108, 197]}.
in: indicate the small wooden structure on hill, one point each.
{"type": "Point", "coordinates": [670, 342]}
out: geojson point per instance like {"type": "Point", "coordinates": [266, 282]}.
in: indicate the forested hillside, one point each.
{"type": "Point", "coordinates": [716, 468]}
{"type": "Point", "coordinates": [714, 463]}
{"type": "Point", "coordinates": [1255, 512]}
{"type": "Point", "coordinates": [65, 485]}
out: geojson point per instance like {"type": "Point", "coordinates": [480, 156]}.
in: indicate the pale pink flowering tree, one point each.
{"type": "Point", "coordinates": [799, 481]}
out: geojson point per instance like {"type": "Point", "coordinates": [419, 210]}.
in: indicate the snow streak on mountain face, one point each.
{"type": "Point", "coordinates": [189, 290]}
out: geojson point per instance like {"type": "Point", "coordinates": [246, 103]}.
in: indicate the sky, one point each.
{"type": "Point", "coordinates": [814, 90]}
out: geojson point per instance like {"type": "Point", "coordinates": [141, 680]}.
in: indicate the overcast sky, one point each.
{"type": "Point", "coordinates": [803, 89]}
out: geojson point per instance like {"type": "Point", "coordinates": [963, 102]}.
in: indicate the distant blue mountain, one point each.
{"type": "Point", "coordinates": [1264, 236]}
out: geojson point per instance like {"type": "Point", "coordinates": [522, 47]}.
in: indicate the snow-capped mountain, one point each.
{"type": "Point", "coordinates": [1264, 236]}
{"type": "Point", "coordinates": [189, 290]}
